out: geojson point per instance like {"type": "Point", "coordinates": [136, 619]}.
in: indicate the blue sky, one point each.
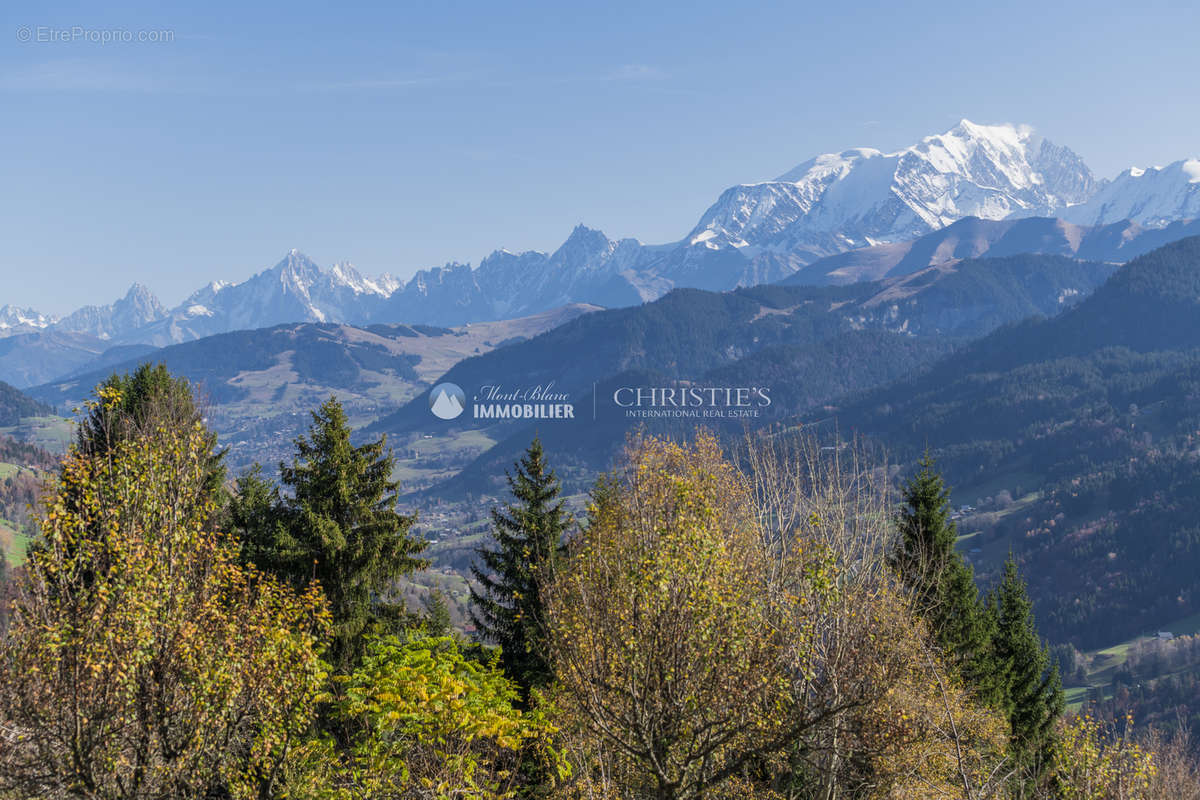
{"type": "Point", "coordinates": [401, 136]}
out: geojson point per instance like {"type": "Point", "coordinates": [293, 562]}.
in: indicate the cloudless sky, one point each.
{"type": "Point", "coordinates": [404, 135]}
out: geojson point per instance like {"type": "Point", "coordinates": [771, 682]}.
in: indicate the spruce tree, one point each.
{"type": "Point", "coordinates": [257, 515]}
{"type": "Point", "coordinates": [136, 404]}
{"type": "Point", "coordinates": [941, 582]}
{"type": "Point", "coordinates": [438, 621]}
{"type": "Point", "coordinates": [337, 524]}
{"type": "Point", "coordinates": [1032, 690]}
{"type": "Point", "coordinates": [927, 535]}
{"type": "Point", "coordinates": [507, 606]}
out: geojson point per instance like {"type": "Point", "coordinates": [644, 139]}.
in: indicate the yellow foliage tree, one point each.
{"type": "Point", "coordinates": [669, 646]}
{"type": "Point", "coordinates": [426, 721]}
{"type": "Point", "coordinates": [1093, 763]}
{"type": "Point", "coordinates": [716, 636]}
{"type": "Point", "coordinates": [143, 661]}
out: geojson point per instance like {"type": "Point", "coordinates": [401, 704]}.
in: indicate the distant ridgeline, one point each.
{"type": "Point", "coordinates": [1079, 406]}
{"type": "Point", "coordinates": [805, 345]}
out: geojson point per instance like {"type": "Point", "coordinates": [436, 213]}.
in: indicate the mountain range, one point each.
{"type": "Point", "coordinates": [257, 385]}
{"type": "Point", "coordinates": [754, 233]}
{"type": "Point", "coordinates": [812, 344]}
{"type": "Point", "coordinates": [1060, 398]}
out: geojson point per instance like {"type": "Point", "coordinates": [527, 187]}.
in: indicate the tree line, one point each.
{"type": "Point", "coordinates": [761, 620]}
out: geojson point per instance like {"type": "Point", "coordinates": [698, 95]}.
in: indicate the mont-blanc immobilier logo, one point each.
{"type": "Point", "coordinates": [495, 401]}
{"type": "Point", "coordinates": [447, 401]}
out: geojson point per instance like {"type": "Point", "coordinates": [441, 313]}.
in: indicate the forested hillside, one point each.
{"type": "Point", "coordinates": [1090, 420]}
{"type": "Point", "coordinates": [14, 405]}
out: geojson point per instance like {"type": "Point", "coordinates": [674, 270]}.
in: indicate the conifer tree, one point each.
{"type": "Point", "coordinates": [927, 535]}
{"type": "Point", "coordinates": [337, 524]}
{"type": "Point", "coordinates": [942, 584]}
{"type": "Point", "coordinates": [257, 515]}
{"type": "Point", "coordinates": [1032, 690]}
{"type": "Point", "coordinates": [437, 614]}
{"type": "Point", "coordinates": [138, 403]}
{"type": "Point", "coordinates": [507, 608]}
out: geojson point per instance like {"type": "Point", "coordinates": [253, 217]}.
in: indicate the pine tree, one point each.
{"type": "Point", "coordinates": [942, 584]}
{"type": "Point", "coordinates": [1032, 690]}
{"type": "Point", "coordinates": [507, 608]}
{"type": "Point", "coordinates": [339, 525]}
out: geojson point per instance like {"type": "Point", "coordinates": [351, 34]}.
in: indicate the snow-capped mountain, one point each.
{"type": "Point", "coordinates": [754, 233]}
{"type": "Point", "coordinates": [21, 320]}
{"type": "Point", "coordinates": [294, 290]}
{"type": "Point", "coordinates": [862, 197]}
{"type": "Point", "coordinates": [507, 284]}
{"type": "Point", "coordinates": [137, 309]}
{"type": "Point", "coordinates": [1153, 197]}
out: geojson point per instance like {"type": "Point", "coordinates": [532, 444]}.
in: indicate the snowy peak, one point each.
{"type": "Point", "coordinates": [829, 164]}
{"type": "Point", "coordinates": [118, 320]}
{"type": "Point", "coordinates": [1154, 197]}
{"type": "Point", "coordinates": [862, 196]}
{"type": "Point", "coordinates": [508, 285]}
{"type": "Point", "coordinates": [585, 248]}
{"type": "Point", "coordinates": [140, 303]}
{"type": "Point", "coordinates": [295, 273]}
{"type": "Point", "coordinates": [21, 320]}
{"type": "Point", "coordinates": [299, 274]}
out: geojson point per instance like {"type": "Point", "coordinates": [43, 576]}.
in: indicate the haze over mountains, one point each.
{"type": "Point", "coordinates": [754, 233]}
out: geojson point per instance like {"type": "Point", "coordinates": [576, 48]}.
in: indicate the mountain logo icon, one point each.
{"type": "Point", "coordinates": [447, 401]}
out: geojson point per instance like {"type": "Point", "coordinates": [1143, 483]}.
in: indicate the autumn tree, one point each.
{"type": "Point", "coordinates": [336, 523]}
{"type": "Point", "coordinates": [507, 606]}
{"type": "Point", "coordinates": [143, 661]}
{"type": "Point", "coordinates": [425, 720]}
{"type": "Point", "coordinates": [1092, 762]}
{"type": "Point", "coordinates": [660, 630]}
{"type": "Point", "coordinates": [887, 716]}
